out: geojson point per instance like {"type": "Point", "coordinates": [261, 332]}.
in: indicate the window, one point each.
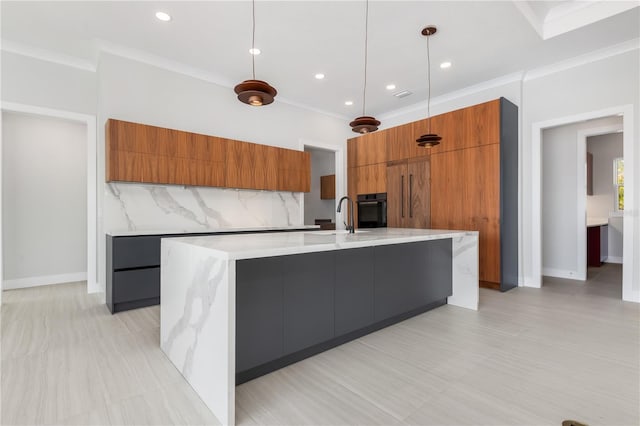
{"type": "Point", "coordinates": [618, 183]}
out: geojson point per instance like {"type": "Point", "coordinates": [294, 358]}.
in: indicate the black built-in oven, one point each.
{"type": "Point", "coordinates": [372, 210]}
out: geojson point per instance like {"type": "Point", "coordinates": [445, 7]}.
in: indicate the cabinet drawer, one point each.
{"type": "Point", "coordinates": [136, 284]}
{"type": "Point", "coordinates": [134, 252]}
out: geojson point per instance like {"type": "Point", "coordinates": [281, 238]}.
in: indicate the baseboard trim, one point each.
{"type": "Point", "coordinates": [43, 280]}
{"type": "Point", "coordinates": [562, 273]}
{"type": "Point", "coordinates": [613, 259]}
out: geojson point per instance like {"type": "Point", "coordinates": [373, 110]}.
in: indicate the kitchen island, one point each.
{"type": "Point", "coordinates": [238, 306]}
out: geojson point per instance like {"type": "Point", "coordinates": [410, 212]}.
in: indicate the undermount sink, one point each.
{"type": "Point", "coordinates": [334, 232]}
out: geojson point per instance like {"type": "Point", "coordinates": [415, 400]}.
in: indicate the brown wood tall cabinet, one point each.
{"type": "Point", "coordinates": [473, 181]}
{"type": "Point", "coordinates": [408, 194]}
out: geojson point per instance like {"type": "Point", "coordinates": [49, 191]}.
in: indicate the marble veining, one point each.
{"type": "Point", "coordinates": [201, 294]}
{"type": "Point", "coordinates": [198, 278]}
{"type": "Point", "coordinates": [198, 306]}
{"type": "Point", "coordinates": [134, 206]}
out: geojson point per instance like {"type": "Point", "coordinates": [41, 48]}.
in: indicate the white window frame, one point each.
{"type": "Point", "coordinates": [616, 186]}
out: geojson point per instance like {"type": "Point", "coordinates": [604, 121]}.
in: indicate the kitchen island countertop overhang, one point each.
{"type": "Point", "coordinates": [203, 279]}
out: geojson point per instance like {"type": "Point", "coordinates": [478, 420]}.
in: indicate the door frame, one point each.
{"type": "Point", "coordinates": [339, 169]}
{"type": "Point", "coordinates": [581, 161]}
{"type": "Point", "coordinates": [92, 178]}
{"type": "Point", "coordinates": [626, 111]}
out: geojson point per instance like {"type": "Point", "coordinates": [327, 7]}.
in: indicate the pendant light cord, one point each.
{"type": "Point", "coordinates": [253, 38]}
{"type": "Point", "coordinates": [366, 44]}
{"type": "Point", "coordinates": [429, 88]}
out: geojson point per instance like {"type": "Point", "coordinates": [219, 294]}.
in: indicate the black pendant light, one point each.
{"type": "Point", "coordinates": [365, 123]}
{"type": "Point", "coordinates": [255, 92]}
{"type": "Point", "coordinates": [430, 139]}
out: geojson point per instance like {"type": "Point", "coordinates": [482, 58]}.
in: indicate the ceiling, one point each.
{"type": "Point", "coordinates": [484, 40]}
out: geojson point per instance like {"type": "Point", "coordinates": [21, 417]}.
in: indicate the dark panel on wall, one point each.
{"type": "Point", "coordinates": [508, 195]}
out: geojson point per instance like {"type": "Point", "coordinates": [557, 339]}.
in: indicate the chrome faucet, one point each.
{"type": "Point", "coordinates": [351, 228]}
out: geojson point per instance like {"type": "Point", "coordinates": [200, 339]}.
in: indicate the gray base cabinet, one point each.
{"type": "Point", "coordinates": [292, 307]}
{"type": "Point", "coordinates": [133, 268]}
{"type": "Point", "coordinates": [259, 311]}
{"type": "Point", "coordinates": [308, 299]}
{"type": "Point", "coordinates": [407, 276]}
{"type": "Point", "coordinates": [354, 291]}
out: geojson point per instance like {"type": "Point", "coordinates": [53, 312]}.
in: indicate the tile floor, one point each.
{"type": "Point", "coordinates": [528, 357]}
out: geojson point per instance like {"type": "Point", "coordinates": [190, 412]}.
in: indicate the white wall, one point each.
{"type": "Point", "coordinates": [322, 164]}
{"type": "Point", "coordinates": [35, 82]}
{"type": "Point", "coordinates": [139, 92]}
{"type": "Point", "coordinates": [608, 83]}
{"type": "Point", "coordinates": [560, 196]}
{"type": "Point", "coordinates": [605, 148]}
{"type": "Point", "coordinates": [44, 200]}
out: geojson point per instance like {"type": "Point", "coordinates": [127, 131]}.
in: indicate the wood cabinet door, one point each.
{"type": "Point", "coordinates": [372, 179]}
{"type": "Point", "coordinates": [419, 194]}
{"type": "Point", "coordinates": [400, 142]}
{"type": "Point", "coordinates": [481, 124]}
{"type": "Point", "coordinates": [482, 204]}
{"type": "Point", "coordinates": [294, 170]}
{"type": "Point", "coordinates": [371, 148]}
{"type": "Point", "coordinates": [266, 171]}
{"type": "Point", "coordinates": [397, 195]}
{"type": "Point", "coordinates": [328, 187]}
{"type": "Point", "coordinates": [240, 165]}
{"type": "Point", "coordinates": [352, 152]}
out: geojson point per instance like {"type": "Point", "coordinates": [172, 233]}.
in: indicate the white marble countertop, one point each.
{"type": "Point", "coordinates": [127, 233]}
{"type": "Point", "coordinates": [597, 221]}
{"type": "Point", "coordinates": [249, 246]}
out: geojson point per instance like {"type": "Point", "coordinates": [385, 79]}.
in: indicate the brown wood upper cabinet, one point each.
{"type": "Point", "coordinates": [328, 187]}
{"type": "Point", "coordinates": [408, 194]}
{"type": "Point", "coordinates": [149, 154]}
{"type": "Point", "coordinates": [368, 149]}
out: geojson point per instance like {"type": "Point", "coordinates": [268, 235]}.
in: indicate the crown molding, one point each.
{"type": "Point", "coordinates": [102, 46]}
{"type": "Point", "coordinates": [160, 62]}
{"type": "Point", "coordinates": [597, 55]}
{"type": "Point", "coordinates": [46, 55]}
{"type": "Point", "coordinates": [529, 14]}
{"type": "Point", "coordinates": [457, 94]}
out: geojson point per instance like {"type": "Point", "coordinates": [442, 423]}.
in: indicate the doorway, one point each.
{"type": "Point", "coordinates": [625, 113]}
{"type": "Point", "coordinates": [327, 166]}
{"type": "Point", "coordinates": [48, 227]}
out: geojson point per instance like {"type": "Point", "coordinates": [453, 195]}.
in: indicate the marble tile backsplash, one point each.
{"type": "Point", "coordinates": [129, 206]}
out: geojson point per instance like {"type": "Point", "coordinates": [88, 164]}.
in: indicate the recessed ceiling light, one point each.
{"type": "Point", "coordinates": [163, 16]}
{"type": "Point", "coordinates": [391, 86]}
{"type": "Point", "coordinates": [445, 65]}
{"type": "Point", "coordinates": [319, 76]}
{"type": "Point", "coordinates": [348, 103]}
{"type": "Point", "coordinates": [402, 94]}
{"type": "Point", "coordinates": [254, 51]}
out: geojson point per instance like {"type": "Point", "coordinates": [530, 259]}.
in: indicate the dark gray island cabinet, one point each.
{"type": "Point", "coordinates": [291, 307]}
{"type": "Point", "coordinates": [237, 307]}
